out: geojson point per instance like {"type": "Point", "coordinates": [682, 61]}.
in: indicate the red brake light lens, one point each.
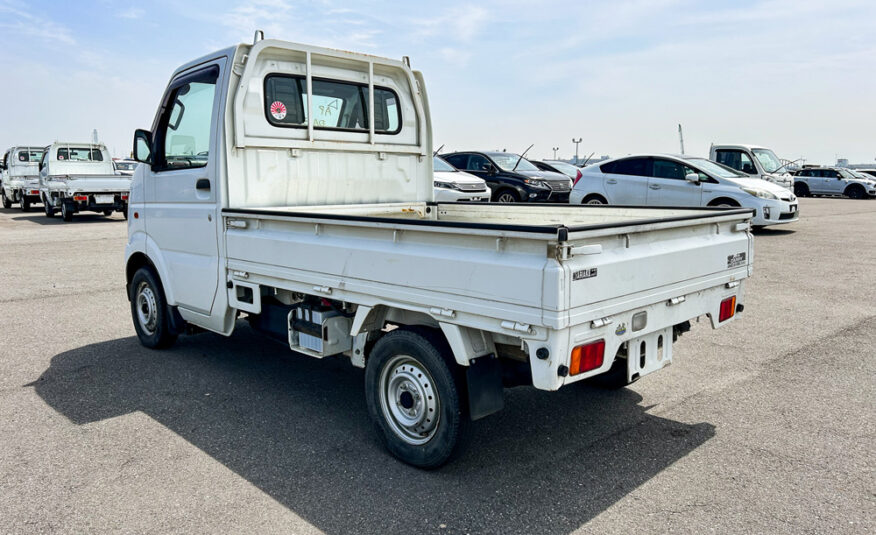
{"type": "Point", "coordinates": [728, 309]}
{"type": "Point", "coordinates": [80, 198]}
{"type": "Point", "coordinates": [577, 178]}
{"type": "Point", "coordinates": [587, 357]}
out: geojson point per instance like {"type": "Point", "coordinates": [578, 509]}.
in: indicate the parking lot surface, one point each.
{"type": "Point", "coordinates": [766, 425]}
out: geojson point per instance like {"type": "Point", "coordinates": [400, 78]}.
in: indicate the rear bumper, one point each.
{"type": "Point", "coordinates": [618, 329]}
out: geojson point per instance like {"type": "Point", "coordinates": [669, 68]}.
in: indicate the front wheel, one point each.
{"type": "Point", "coordinates": [856, 192]}
{"type": "Point", "coordinates": [47, 208]}
{"type": "Point", "coordinates": [507, 196]}
{"type": "Point", "coordinates": [413, 398]}
{"type": "Point", "coordinates": [149, 310]}
{"type": "Point", "coordinates": [801, 190]}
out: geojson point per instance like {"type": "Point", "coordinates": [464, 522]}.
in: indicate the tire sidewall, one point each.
{"type": "Point", "coordinates": [442, 445]}
{"type": "Point", "coordinates": [161, 337]}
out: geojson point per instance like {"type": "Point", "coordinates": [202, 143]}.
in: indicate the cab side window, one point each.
{"type": "Point", "coordinates": [736, 159]}
{"type": "Point", "coordinates": [182, 139]}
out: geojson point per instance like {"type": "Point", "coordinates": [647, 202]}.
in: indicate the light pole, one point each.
{"type": "Point", "coordinates": [576, 142]}
{"type": "Point", "coordinates": [555, 149]}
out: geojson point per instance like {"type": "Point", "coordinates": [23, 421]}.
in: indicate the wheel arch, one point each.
{"type": "Point", "coordinates": [724, 199]}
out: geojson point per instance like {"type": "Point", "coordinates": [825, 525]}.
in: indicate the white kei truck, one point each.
{"type": "Point", "coordinates": [80, 177]}
{"type": "Point", "coordinates": [754, 161]}
{"type": "Point", "coordinates": [293, 185]}
{"type": "Point", "coordinates": [19, 177]}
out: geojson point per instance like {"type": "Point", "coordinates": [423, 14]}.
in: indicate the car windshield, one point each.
{"type": "Point", "coordinates": [768, 160]}
{"type": "Point", "coordinates": [438, 164]}
{"type": "Point", "coordinates": [845, 173]}
{"type": "Point", "coordinates": [565, 168]}
{"type": "Point", "coordinates": [507, 161]}
{"type": "Point", "coordinates": [716, 169]}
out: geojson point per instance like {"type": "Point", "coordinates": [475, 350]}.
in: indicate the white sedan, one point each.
{"type": "Point", "coordinates": [671, 180]}
{"type": "Point", "coordinates": [453, 185]}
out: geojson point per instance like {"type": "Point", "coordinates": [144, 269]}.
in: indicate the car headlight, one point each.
{"type": "Point", "coordinates": [763, 194]}
{"type": "Point", "coordinates": [535, 183]}
{"type": "Point", "coordinates": [445, 185]}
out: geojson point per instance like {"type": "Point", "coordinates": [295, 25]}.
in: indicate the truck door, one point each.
{"type": "Point", "coordinates": [181, 187]}
{"type": "Point", "coordinates": [737, 159]}
{"type": "Point", "coordinates": [668, 187]}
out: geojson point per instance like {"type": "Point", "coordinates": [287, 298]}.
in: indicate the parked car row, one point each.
{"type": "Point", "coordinates": [67, 178]}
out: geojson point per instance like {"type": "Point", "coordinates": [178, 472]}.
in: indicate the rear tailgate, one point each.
{"type": "Point", "coordinates": [98, 183]}
{"type": "Point", "coordinates": [614, 270]}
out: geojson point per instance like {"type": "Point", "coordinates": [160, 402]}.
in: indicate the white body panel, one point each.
{"type": "Point", "coordinates": [348, 216]}
{"type": "Point", "coordinates": [463, 187]}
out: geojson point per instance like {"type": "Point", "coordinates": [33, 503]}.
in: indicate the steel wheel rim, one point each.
{"type": "Point", "coordinates": [506, 198]}
{"type": "Point", "coordinates": [147, 308]}
{"type": "Point", "coordinates": [409, 400]}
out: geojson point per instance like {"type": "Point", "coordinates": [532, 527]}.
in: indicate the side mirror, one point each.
{"type": "Point", "coordinates": [143, 146]}
{"type": "Point", "coordinates": [692, 177]}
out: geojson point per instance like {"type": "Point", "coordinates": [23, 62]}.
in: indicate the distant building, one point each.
{"type": "Point", "coordinates": [842, 162]}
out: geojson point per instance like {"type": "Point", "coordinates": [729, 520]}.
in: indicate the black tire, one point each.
{"type": "Point", "coordinates": [855, 192]}
{"type": "Point", "coordinates": [47, 208]}
{"type": "Point", "coordinates": [801, 189]}
{"type": "Point", "coordinates": [149, 310]}
{"type": "Point", "coordinates": [506, 196]}
{"type": "Point", "coordinates": [25, 204]}
{"type": "Point", "coordinates": [408, 367]}
{"type": "Point", "coordinates": [6, 202]}
{"type": "Point", "coordinates": [614, 379]}
{"type": "Point", "coordinates": [594, 200]}
{"type": "Point", "coordinates": [107, 213]}
{"type": "Point", "coordinates": [125, 213]}
{"type": "Point", "coordinates": [66, 212]}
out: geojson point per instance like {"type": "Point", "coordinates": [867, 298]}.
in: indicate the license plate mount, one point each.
{"type": "Point", "coordinates": [649, 353]}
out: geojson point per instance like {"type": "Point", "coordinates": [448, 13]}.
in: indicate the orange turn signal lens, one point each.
{"type": "Point", "coordinates": [728, 309]}
{"type": "Point", "coordinates": [587, 357]}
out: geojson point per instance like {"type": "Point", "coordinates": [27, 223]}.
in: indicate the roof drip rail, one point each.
{"type": "Point", "coordinates": [259, 36]}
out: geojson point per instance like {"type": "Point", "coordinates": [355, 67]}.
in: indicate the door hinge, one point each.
{"type": "Point", "coordinates": [515, 326]}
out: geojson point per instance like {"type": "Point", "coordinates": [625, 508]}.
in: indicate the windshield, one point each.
{"type": "Point", "coordinates": [565, 168]}
{"type": "Point", "coordinates": [439, 164]}
{"type": "Point", "coordinates": [768, 160]}
{"type": "Point", "coordinates": [30, 155]}
{"type": "Point", "coordinates": [507, 161]}
{"type": "Point", "coordinates": [845, 173]}
{"type": "Point", "coordinates": [76, 154]}
{"type": "Point", "coordinates": [716, 169]}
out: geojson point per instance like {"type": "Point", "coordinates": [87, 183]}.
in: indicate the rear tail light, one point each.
{"type": "Point", "coordinates": [728, 308]}
{"type": "Point", "coordinates": [34, 192]}
{"type": "Point", "coordinates": [124, 197]}
{"type": "Point", "coordinates": [577, 178]}
{"type": "Point", "coordinates": [587, 357]}
{"type": "Point", "coordinates": [80, 198]}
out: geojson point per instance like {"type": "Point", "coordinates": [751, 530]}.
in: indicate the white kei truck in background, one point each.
{"type": "Point", "coordinates": [754, 161]}
{"type": "Point", "coordinates": [19, 176]}
{"type": "Point", "coordinates": [314, 218]}
{"type": "Point", "coordinates": [80, 177]}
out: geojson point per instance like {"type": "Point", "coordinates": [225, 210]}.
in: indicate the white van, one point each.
{"type": "Point", "coordinates": [671, 180]}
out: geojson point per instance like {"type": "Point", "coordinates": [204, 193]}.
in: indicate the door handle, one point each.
{"type": "Point", "coordinates": [202, 183]}
{"type": "Point", "coordinates": [654, 186]}
{"type": "Point", "coordinates": [611, 181]}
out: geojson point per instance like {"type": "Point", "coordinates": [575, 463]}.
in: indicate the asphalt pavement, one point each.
{"type": "Point", "coordinates": [764, 426]}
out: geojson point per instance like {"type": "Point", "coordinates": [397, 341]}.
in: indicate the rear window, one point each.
{"type": "Point", "coordinates": [74, 154]}
{"type": "Point", "coordinates": [336, 105]}
{"type": "Point", "coordinates": [30, 155]}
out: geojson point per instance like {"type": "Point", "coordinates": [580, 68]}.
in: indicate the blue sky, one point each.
{"type": "Point", "coordinates": [795, 75]}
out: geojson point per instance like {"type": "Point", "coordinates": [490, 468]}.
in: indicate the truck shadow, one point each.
{"type": "Point", "coordinates": [297, 428]}
{"type": "Point", "coordinates": [41, 219]}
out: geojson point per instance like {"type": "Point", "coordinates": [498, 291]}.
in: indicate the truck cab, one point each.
{"type": "Point", "coordinates": [288, 189]}
{"type": "Point", "coordinates": [80, 177]}
{"type": "Point", "coordinates": [19, 176]}
{"type": "Point", "coordinates": [754, 161]}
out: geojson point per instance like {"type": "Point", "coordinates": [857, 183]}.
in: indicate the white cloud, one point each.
{"type": "Point", "coordinates": [131, 13]}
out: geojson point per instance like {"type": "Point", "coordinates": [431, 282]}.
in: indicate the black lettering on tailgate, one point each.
{"type": "Point", "coordinates": [736, 260]}
{"type": "Point", "coordinates": [584, 274]}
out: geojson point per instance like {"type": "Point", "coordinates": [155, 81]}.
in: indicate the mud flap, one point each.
{"type": "Point", "coordinates": [485, 392]}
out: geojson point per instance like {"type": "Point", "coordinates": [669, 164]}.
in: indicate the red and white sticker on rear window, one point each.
{"type": "Point", "coordinates": [278, 110]}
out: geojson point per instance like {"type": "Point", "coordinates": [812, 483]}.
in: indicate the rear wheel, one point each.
{"type": "Point", "coordinates": [149, 310]}
{"type": "Point", "coordinates": [25, 204]}
{"type": "Point", "coordinates": [47, 208]}
{"type": "Point", "coordinates": [507, 196]}
{"type": "Point", "coordinates": [66, 211]}
{"type": "Point", "coordinates": [855, 192]}
{"type": "Point", "coordinates": [413, 398]}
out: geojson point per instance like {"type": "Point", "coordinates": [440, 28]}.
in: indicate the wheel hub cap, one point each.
{"type": "Point", "coordinates": [147, 308]}
{"type": "Point", "coordinates": [408, 399]}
